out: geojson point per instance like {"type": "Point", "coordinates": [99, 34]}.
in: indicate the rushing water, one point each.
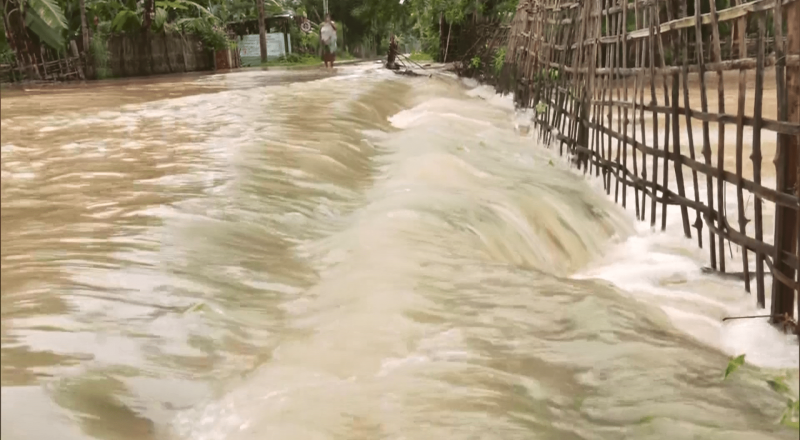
{"type": "Point", "coordinates": [268, 255]}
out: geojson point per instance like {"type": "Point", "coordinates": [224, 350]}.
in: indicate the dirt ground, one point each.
{"type": "Point", "coordinates": [730, 104]}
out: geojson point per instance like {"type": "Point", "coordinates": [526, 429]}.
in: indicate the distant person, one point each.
{"type": "Point", "coordinates": [392, 55]}
{"type": "Point", "coordinates": [327, 34]}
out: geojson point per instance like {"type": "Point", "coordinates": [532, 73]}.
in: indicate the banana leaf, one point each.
{"type": "Point", "coordinates": [49, 12]}
{"type": "Point", "coordinates": [198, 6]}
{"type": "Point", "coordinates": [170, 4]}
{"type": "Point", "coordinates": [160, 19]}
{"type": "Point", "coordinates": [126, 20]}
{"type": "Point", "coordinates": [46, 19]}
{"type": "Point", "coordinates": [53, 37]}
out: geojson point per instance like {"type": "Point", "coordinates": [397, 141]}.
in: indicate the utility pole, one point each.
{"type": "Point", "coordinates": [262, 33]}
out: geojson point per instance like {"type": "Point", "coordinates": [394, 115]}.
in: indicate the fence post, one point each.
{"type": "Point", "coordinates": [77, 55]}
{"type": "Point", "coordinates": [787, 171]}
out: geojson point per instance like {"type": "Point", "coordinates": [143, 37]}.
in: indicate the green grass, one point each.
{"type": "Point", "coordinates": [296, 60]}
{"type": "Point", "coordinates": [420, 56]}
{"type": "Point", "coordinates": [293, 60]}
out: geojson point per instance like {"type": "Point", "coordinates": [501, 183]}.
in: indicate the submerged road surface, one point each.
{"type": "Point", "coordinates": [290, 256]}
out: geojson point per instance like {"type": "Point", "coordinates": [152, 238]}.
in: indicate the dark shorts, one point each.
{"type": "Point", "coordinates": [327, 55]}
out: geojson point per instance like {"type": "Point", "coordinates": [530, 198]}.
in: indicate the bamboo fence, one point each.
{"type": "Point", "coordinates": [47, 65]}
{"type": "Point", "coordinates": [611, 82]}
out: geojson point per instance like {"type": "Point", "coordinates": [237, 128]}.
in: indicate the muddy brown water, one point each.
{"type": "Point", "coordinates": [296, 255]}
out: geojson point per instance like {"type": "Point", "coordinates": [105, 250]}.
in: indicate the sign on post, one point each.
{"type": "Point", "coordinates": [250, 51]}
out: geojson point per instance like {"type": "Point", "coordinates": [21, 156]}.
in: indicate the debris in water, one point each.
{"type": "Point", "coordinates": [785, 321]}
{"type": "Point", "coordinates": [406, 72]}
{"type": "Point", "coordinates": [733, 365]}
{"type": "Point", "coordinates": [199, 307]}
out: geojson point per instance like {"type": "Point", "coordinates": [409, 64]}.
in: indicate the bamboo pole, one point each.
{"type": "Point", "coordinates": [741, 28]}
{"type": "Point", "coordinates": [786, 158]}
{"type": "Point", "coordinates": [44, 62]}
{"type": "Point", "coordinates": [625, 120]}
{"type": "Point", "coordinates": [74, 47]}
{"type": "Point", "coordinates": [447, 46]}
{"type": "Point", "coordinates": [616, 81]}
{"type": "Point", "coordinates": [636, 82]}
{"type": "Point", "coordinates": [717, 56]}
{"type": "Point", "coordinates": [654, 101]}
{"type": "Point", "coordinates": [677, 157]}
{"type": "Point", "coordinates": [642, 108]}
{"type": "Point", "coordinates": [605, 110]}
{"type": "Point", "coordinates": [667, 118]}
{"type": "Point", "coordinates": [706, 137]}
{"type": "Point", "coordinates": [756, 158]}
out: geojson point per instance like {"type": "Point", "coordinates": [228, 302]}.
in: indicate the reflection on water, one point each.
{"type": "Point", "coordinates": [265, 255]}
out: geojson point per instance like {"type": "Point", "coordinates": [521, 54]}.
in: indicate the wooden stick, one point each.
{"type": "Point", "coordinates": [741, 29]}
{"type": "Point", "coordinates": [717, 56]}
{"type": "Point", "coordinates": [642, 108]}
{"type": "Point", "coordinates": [706, 138]}
{"type": "Point", "coordinates": [676, 140]}
{"type": "Point", "coordinates": [667, 117]}
{"type": "Point", "coordinates": [636, 81]}
{"type": "Point", "coordinates": [729, 318]}
{"type": "Point", "coordinates": [615, 81]}
{"type": "Point", "coordinates": [786, 158]}
{"type": "Point", "coordinates": [654, 101]}
{"type": "Point", "coordinates": [625, 120]}
{"type": "Point", "coordinates": [756, 158]}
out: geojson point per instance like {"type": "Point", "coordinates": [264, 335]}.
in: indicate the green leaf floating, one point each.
{"type": "Point", "coordinates": [198, 307]}
{"type": "Point", "coordinates": [778, 385]}
{"type": "Point", "coordinates": [791, 412]}
{"type": "Point", "coordinates": [733, 365]}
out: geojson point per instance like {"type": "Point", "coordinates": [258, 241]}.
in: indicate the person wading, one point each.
{"type": "Point", "coordinates": [328, 38]}
{"type": "Point", "coordinates": [392, 55]}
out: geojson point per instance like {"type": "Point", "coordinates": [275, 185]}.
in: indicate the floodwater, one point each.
{"type": "Point", "coordinates": [285, 255]}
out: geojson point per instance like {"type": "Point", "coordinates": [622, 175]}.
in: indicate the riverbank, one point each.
{"type": "Point", "coordinates": [10, 89]}
{"type": "Point", "coordinates": [98, 95]}
{"type": "Point", "coordinates": [308, 63]}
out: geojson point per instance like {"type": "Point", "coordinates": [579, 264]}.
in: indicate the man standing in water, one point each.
{"type": "Point", "coordinates": [327, 34]}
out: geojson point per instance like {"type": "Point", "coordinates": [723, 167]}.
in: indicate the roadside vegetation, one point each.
{"type": "Point", "coordinates": [365, 26]}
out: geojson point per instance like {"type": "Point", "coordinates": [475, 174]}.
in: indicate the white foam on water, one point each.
{"type": "Point", "coordinates": [662, 267]}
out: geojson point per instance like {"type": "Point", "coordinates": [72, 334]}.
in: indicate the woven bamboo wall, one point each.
{"type": "Point", "coordinates": [636, 91]}
{"type": "Point", "coordinates": [169, 53]}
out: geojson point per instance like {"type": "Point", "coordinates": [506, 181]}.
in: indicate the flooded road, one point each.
{"type": "Point", "coordinates": [285, 255]}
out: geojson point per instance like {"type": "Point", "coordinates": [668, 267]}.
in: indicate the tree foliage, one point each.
{"type": "Point", "coordinates": [366, 21]}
